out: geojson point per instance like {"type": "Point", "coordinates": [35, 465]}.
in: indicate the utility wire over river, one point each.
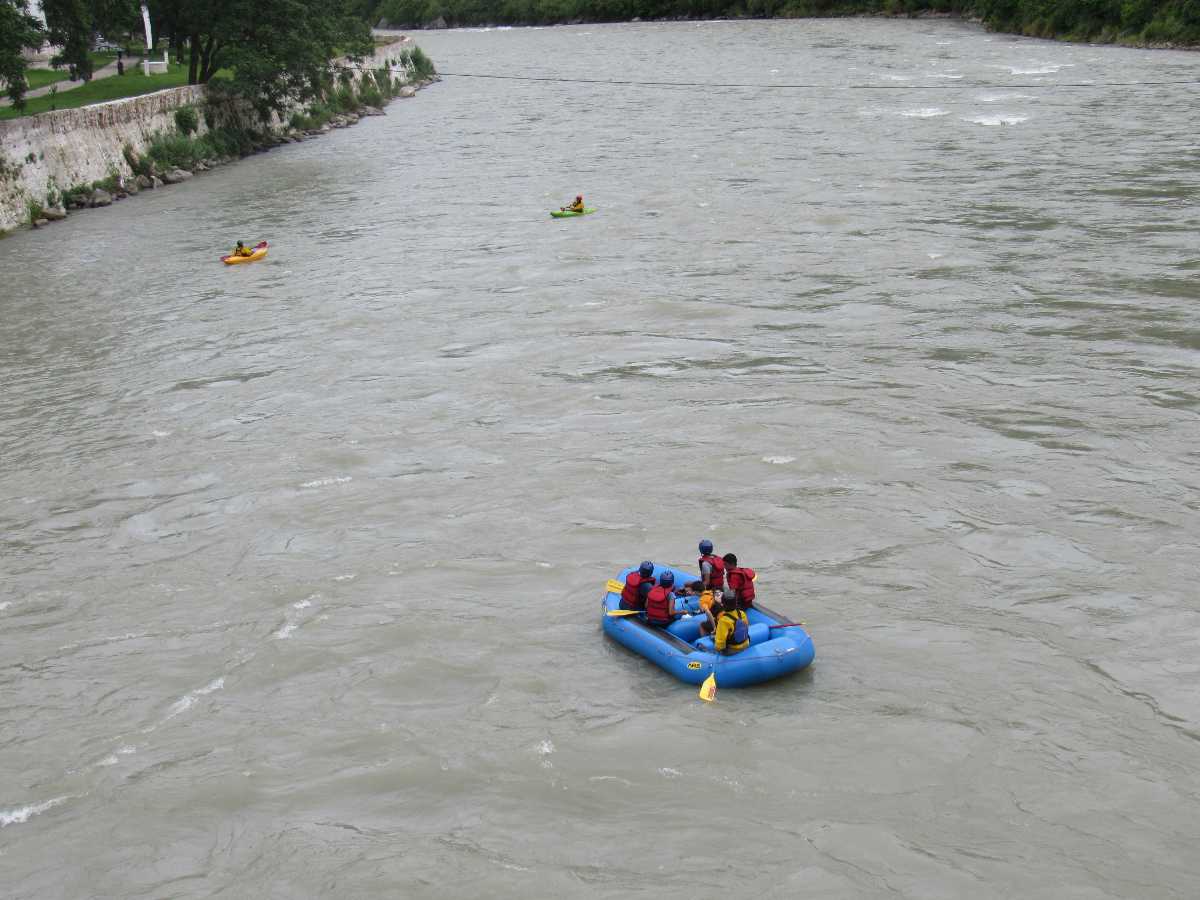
{"type": "Point", "coordinates": [767, 86]}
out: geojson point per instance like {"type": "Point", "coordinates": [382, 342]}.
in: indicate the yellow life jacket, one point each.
{"type": "Point", "coordinates": [731, 625]}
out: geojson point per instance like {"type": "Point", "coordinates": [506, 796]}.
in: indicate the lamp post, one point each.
{"type": "Point", "coordinates": [149, 40]}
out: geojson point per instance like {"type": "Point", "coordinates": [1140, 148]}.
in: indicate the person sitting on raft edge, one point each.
{"type": "Point", "coordinates": [577, 206]}
{"type": "Point", "coordinates": [733, 627]}
{"type": "Point", "coordinates": [242, 250]}
{"type": "Point", "coordinates": [740, 581]}
{"type": "Point", "coordinates": [660, 602]}
{"type": "Point", "coordinates": [637, 586]}
{"type": "Point", "coordinates": [710, 613]}
{"type": "Point", "coordinates": [712, 568]}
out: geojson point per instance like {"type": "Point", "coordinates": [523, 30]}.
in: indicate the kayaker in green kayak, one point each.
{"type": "Point", "coordinates": [576, 207]}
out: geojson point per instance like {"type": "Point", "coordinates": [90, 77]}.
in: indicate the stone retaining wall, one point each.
{"type": "Point", "coordinates": [69, 147]}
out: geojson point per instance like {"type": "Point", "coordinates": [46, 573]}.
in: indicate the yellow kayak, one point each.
{"type": "Point", "coordinates": [260, 250]}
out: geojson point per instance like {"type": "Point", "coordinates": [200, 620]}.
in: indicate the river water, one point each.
{"type": "Point", "coordinates": [302, 559]}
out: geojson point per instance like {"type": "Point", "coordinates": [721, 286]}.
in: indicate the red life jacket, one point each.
{"type": "Point", "coordinates": [658, 606]}
{"type": "Point", "coordinates": [631, 597]}
{"type": "Point", "coordinates": [741, 581]}
{"type": "Point", "coordinates": [718, 570]}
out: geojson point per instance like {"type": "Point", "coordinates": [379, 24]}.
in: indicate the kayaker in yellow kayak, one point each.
{"type": "Point", "coordinates": [241, 250]}
{"type": "Point", "coordinates": [577, 206]}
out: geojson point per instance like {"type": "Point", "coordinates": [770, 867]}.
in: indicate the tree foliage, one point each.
{"type": "Point", "coordinates": [18, 31]}
{"type": "Point", "coordinates": [282, 51]}
{"type": "Point", "coordinates": [1151, 21]}
{"type": "Point", "coordinates": [74, 25]}
{"type": "Point", "coordinates": [275, 50]}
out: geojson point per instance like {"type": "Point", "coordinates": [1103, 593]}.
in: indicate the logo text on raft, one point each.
{"type": "Point", "coordinates": [693, 665]}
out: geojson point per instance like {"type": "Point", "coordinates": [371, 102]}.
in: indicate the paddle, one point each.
{"type": "Point", "coordinates": [615, 587]}
{"type": "Point", "coordinates": [790, 625]}
{"type": "Point", "coordinates": [708, 690]}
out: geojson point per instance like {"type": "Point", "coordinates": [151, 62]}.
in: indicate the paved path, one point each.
{"type": "Point", "coordinates": [103, 72]}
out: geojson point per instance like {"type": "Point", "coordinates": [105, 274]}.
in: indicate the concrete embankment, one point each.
{"type": "Point", "coordinates": [47, 160]}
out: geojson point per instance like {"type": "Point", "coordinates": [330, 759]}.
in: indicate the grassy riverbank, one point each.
{"type": "Point", "coordinates": [132, 84]}
{"type": "Point", "coordinates": [219, 130]}
{"type": "Point", "coordinates": [70, 159]}
{"type": "Point", "coordinates": [40, 78]}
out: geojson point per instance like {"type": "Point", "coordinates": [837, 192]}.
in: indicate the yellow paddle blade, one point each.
{"type": "Point", "coordinates": [623, 612]}
{"type": "Point", "coordinates": [708, 690]}
{"type": "Point", "coordinates": [614, 587]}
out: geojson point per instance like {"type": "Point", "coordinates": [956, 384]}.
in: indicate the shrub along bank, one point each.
{"type": "Point", "coordinates": [344, 102]}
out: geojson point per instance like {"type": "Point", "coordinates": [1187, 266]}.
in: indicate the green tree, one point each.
{"type": "Point", "coordinates": [18, 31]}
{"type": "Point", "coordinates": [1176, 21]}
{"type": "Point", "coordinates": [278, 51]}
{"type": "Point", "coordinates": [75, 24]}
{"type": "Point", "coordinates": [206, 26]}
{"type": "Point", "coordinates": [282, 52]}
{"type": "Point", "coordinates": [404, 13]}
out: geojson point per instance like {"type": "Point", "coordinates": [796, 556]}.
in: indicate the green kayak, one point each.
{"type": "Point", "coordinates": [568, 214]}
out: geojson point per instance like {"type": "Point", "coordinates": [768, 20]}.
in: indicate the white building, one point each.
{"type": "Point", "coordinates": [42, 55]}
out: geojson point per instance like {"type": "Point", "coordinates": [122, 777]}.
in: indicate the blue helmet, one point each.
{"type": "Point", "coordinates": [705, 547]}
{"type": "Point", "coordinates": [646, 569]}
{"type": "Point", "coordinates": [666, 579]}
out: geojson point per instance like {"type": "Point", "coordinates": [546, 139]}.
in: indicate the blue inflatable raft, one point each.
{"type": "Point", "coordinates": [773, 652]}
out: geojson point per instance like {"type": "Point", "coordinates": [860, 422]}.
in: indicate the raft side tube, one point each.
{"type": "Point", "coordinates": [787, 651]}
